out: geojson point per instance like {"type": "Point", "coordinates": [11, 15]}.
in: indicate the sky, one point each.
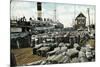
{"type": "Point", "coordinates": [65, 13]}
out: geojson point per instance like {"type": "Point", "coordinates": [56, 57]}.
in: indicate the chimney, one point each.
{"type": "Point", "coordinates": [39, 11]}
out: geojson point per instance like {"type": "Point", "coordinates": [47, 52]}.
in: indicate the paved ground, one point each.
{"type": "Point", "coordinates": [24, 56]}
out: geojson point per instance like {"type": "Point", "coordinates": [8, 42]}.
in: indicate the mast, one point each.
{"type": "Point", "coordinates": [88, 19]}
{"type": "Point", "coordinates": [55, 17]}
{"type": "Point", "coordinates": [74, 11]}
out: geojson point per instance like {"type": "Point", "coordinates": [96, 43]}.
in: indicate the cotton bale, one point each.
{"type": "Point", "coordinates": [72, 52]}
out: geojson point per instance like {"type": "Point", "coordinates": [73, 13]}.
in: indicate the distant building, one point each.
{"type": "Point", "coordinates": [80, 21]}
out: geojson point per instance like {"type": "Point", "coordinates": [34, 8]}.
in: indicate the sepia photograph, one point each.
{"type": "Point", "coordinates": [45, 33]}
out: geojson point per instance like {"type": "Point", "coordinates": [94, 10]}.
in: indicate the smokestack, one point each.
{"type": "Point", "coordinates": [39, 11]}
